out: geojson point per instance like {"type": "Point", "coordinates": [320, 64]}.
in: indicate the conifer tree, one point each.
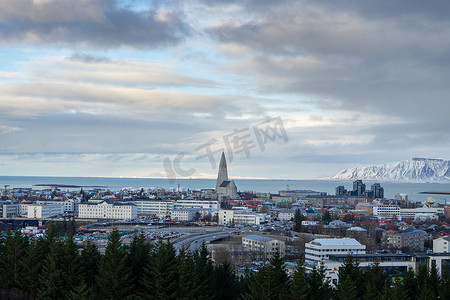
{"type": "Point", "coordinates": [319, 286]}
{"type": "Point", "coordinates": [13, 252]}
{"type": "Point", "coordinates": [51, 280]}
{"type": "Point", "coordinates": [347, 289]}
{"type": "Point", "coordinates": [32, 265]}
{"type": "Point", "coordinates": [299, 285]}
{"type": "Point", "coordinates": [188, 285]}
{"type": "Point", "coordinates": [159, 280]}
{"type": "Point", "coordinates": [138, 257]}
{"type": "Point", "coordinates": [226, 284]}
{"type": "Point", "coordinates": [371, 292]}
{"type": "Point", "coordinates": [81, 292]}
{"type": "Point", "coordinates": [410, 283]}
{"type": "Point", "coordinates": [70, 264]}
{"type": "Point", "coordinates": [350, 272]}
{"type": "Point", "coordinates": [298, 218]}
{"type": "Point", "coordinates": [426, 293]}
{"type": "Point", "coordinates": [374, 278]}
{"type": "Point", "coordinates": [90, 258]}
{"type": "Point", "coordinates": [114, 279]}
{"type": "Point", "coordinates": [204, 269]}
{"type": "Point", "coordinates": [271, 281]}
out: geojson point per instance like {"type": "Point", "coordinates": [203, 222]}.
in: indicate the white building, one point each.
{"type": "Point", "coordinates": [410, 213]}
{"type": "Point", "coordinates": [264, 247]}
{"type": "Point", "coordinates": [387, 212]}
{"type": "Point", "coordinates": [68, 206]}
{"type": "Point", "coordinates": [320, 249]}
{"type": "Point", "coordinates": [9, 210]}
{"type": "Point", "coordinates": [441, 245]}
{"type": "Point", "coordinates": [286, 215]}
{"type": "Point", "coordinates": [107, 210]}
{"type": "Point", "coordinates": [212, 205]}
{"type": "Point", "coordinates": [186, 214]}
{"type": "Point", "coordinates": [229, 216]}
{"type": "Point", "coordinates": [38, 211]}
{"type": "Point", "coordinates": [158, 208]}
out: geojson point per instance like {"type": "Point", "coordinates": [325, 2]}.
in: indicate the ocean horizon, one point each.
{"type": "Point", "coordinates": [273, 186]}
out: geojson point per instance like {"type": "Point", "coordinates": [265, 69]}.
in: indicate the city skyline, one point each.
{"type": "Point", "coordinates": [119, 88]}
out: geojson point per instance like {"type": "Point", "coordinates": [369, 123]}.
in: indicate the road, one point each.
{"type": "Point", "coordinates": [196, 240]}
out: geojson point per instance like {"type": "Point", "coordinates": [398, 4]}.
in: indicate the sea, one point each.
{"type": "Point", "coordinates": [413, 190]}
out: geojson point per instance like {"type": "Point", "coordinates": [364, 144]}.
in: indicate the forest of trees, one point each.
{"type": "Point", "coordinates": [55, 268]}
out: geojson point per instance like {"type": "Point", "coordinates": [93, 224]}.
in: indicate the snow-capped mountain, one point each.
{"type": "Point", "coordinates": [412, 170]}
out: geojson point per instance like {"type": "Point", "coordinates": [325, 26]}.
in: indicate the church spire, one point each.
{"type": "Point", "coordinates": [223, 173]}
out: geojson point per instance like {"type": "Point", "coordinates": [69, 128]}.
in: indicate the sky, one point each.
{"type": "Point", "coordinates": [287, 89]}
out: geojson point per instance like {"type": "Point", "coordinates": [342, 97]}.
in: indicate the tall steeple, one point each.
{"type": "Point", "coordinates": [223, 173]}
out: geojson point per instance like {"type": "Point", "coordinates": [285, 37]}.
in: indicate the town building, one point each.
{"type": "Point", "coordinates": [320, 249]}
{"type": "Point", "coordinates": [335, 201]}
{"type": "Point", "coordinates": [286, 215]}
{"type": "Point", "coordinates": [390, 212]}
{"type": "Point", "coordinates": [39, 211]}
{"type": "Point", "coordinates": [413, 240]}
{"type": "Point", "coordinates": [107, 210]}
{"type": "Point", "coordinates": [67, 206]}
{"type": "Point", "coordinates": [155, 208]}
{"type": "Point", "coordinates": [229, 216]}
{"type": "Point", "coordinates": [9, 210]}
{"type": "Point", "coordinates": [263, 247]}
{"type": "Point", "coordinates": [183, 215]}
{"type": "Point", "coordinates": [441, 245]}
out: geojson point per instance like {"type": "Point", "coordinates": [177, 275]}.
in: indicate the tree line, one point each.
{"type": "Point", "coordinates": [56, 268]}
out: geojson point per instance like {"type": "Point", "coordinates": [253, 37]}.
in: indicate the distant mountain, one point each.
{"type": "Point", "coordinates": [413, 170]}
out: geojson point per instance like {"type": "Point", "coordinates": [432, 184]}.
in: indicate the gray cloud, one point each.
{"type": "Point", "coordinates": [94, 23]}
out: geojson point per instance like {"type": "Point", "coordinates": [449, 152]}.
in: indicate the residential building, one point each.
{"type": "Point", "coordinates": [184, 215]}
{"type": "Point", "coordinates": [9, 210]}
{"type": "Point", "coordinates": [286, 215]}
{"type": "Point", "coordinates": [264, 247]}
{"type": "Point", "coordinates": [321, 249]}
{"type": "Point", "coordinates": [107, 210]}
{"type": "Point", "coordinates": [441, 245]}
{"type": "Point", "coordinates": [68, 206]}
{"type": "Point", "coordinates": [39, 211]}
{"type": "Point", "coordinates": [212, 205]}
{"type": "Point", "coordinates": [229, 216]}
{"type": "Point", "coordinates": [387, 212]}
{"type": "Point", "coordinates": [157, 208]}
{"type": "Point", "coordinates": [409, 213]}
{"type": "Point", "coordinates": [412, 240]}
{"type": "Point", "coordinates": [335, 201]}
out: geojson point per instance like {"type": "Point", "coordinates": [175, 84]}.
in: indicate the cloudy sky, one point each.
{"type": "Point", "coordinates": [289, 89]}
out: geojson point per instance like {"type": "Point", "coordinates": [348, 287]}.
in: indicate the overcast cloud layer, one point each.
{"type": "Point", "coordinates": [114, 88]}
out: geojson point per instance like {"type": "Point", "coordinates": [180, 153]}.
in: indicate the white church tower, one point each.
{"type": "Point", "coordinates": [224, 187]}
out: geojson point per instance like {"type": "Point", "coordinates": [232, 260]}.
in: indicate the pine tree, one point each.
{"type": "Point", "coordinates": [371, 292]}
{"type": "Point", "coordinates": [226, 284]}
{"type": "Point", "coordinates": [426, 294]}
{"type": "Point", "coordinates": [70, 264]}
{"type": "Point", "coordinates": [81, 292]}
{"type": "Point", "coordinates": [374, 277]}
{"type": "Point", "coordinates": [298, 218]}
{"type": "Point", "coordinates": [114, 279]}
{"type": "Point", "coordinates": [410, 283]}
{"type": "Point", "coordinates": [51, 281]}
{"type": "Point", "coordinates": [188, 285]}
{"type": "Point", "coordinates": [90, 258]}
{"type": "Point", "coordinates": [159, 280]}
{"type": "Point", "coordinates": [350, 271]}
{"type": "Point", "coordinates": [204, 269]}
{"type": "Point", "coordinates": [434, 280]}
{"type": "Point", "coordinates": [271, 281]}
{"type": "Point", "coordinates": [14, 250]}
{"type": "Point", "coordinates": [138, 257]}
{"type": "Point", "coordinates": [347, 289]}
{"type": "Point", "coordinates": [299, 285]}
{"type": "Point", "coordinates": [33, 264]}
{"type": "Point", "coordinates": [319, 286]}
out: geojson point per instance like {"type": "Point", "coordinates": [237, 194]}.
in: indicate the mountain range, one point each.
{"type": "Point", "coordinates": [420, 170]}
